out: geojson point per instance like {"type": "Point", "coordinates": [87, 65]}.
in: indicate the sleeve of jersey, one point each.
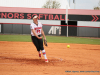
{"type": "Point", "coordinates": [31, 26]}
{"type": "Point", "coordinates": [41, 24]}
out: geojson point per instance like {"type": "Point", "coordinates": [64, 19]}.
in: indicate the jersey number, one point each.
{"type": "Point", "coordinates": [38, 31]}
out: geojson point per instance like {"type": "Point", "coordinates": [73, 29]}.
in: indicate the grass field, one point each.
{"type": "Point", "coordinates": [52, 39]}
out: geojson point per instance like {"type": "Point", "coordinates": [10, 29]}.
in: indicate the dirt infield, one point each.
{"type": "Point", "coordinates": [21, 58]}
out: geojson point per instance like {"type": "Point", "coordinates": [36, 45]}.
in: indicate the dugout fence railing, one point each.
{"type": "Point", "coordinates": [58, 30]}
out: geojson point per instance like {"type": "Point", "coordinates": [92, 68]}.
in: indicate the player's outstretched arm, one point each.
{"type": "Point", "coordinates": [42, 32]}
{"type": "Point", "coordinates": [45, 42]}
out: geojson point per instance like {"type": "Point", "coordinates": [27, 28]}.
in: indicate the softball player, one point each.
{"type": "Point", "coordinates": [36, 36]}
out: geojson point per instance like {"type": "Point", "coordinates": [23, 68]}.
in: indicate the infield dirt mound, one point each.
{"type": "Point", "coordinates": [21, 58]}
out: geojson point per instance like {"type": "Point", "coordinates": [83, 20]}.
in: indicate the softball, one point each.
{"type": "Point", "coordinates": [68, 46]}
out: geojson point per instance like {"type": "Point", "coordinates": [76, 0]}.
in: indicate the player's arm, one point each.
{"type": "Point", "coordinates": [42, 32]}
{"type": "Point", "coordinates": [36, 34]}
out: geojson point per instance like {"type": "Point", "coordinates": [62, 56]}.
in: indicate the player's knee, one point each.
{"type": "Point", "coordinates": [38, 49]}
{"type": "Point", "coordinates": [42, 48]}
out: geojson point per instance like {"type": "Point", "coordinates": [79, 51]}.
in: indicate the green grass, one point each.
{"type": "Point", "coordinates": [53, 39]}
{"type": "Point", "coordinates": [21, 38]}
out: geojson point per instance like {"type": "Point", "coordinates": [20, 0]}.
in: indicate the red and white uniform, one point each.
{"type": "Point", "coordinates": [37, 28]}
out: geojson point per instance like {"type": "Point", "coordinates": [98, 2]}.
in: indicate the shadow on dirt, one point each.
{"type": "Point", "coordinates": [29, 61]}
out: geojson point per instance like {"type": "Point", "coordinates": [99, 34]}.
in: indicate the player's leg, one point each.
{"type": "Point", "coordinates": [44, 54]}
{"type": "Point", "coordinates": [42, 48]}
{"type": "Point", "coordinates": [39, 54]}
{"type": "Point", "coordinates": [35, 42]}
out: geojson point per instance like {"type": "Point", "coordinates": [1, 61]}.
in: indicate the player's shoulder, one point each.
{"type": "Point", "coordinates": [39, 22]}
{"type": "Point", "coordinates": [32, 23]}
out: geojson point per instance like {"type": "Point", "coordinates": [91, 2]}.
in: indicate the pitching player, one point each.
{"type": "Point", "coordinates": [36, 36]}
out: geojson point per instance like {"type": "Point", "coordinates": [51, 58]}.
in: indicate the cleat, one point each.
{"type": "Point", "coordinates": [46, 60]}
{"type": "Point", "coordinates": [39, 56]}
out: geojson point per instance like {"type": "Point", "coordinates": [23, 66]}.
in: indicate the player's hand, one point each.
{"type": "Point", "coordinates": [39, 37]}
{"type": "Point", "coordinates": [45, 42]}
{"type": "Point", "coordinates": [44, 38]}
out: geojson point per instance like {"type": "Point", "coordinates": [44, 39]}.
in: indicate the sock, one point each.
{"type": "Point", "coordinates": [44, 54]}
{"type": "Point", "coordinates": [39, 53]}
